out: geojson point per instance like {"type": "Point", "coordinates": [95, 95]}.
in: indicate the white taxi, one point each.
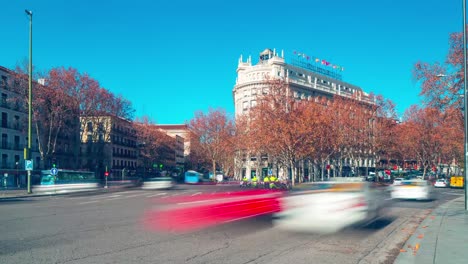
{"type": "Point", "coordinates": [443, 183]}
{"type": "Point", "coordinates": [413, 189]}
{"type": "Point", "coordinates": [328, 207]}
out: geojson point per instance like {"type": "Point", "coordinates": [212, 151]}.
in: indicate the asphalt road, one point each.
{"type": "Point", "coordinates": [107, 228]}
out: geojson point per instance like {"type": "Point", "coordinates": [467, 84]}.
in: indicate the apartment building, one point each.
{"type": "Point", "coordinates": [108, 143]}
{"type": "Point", "coordinates": [14, 133]}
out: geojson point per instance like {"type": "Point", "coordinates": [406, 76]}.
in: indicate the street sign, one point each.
{"type": "Point", "coordinates": [28, 165]}
{"type": "Point", "coordinates": [54, 171]}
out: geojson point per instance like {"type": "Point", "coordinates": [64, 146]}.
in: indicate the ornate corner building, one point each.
{"type": "Point", "coordinates": [308, 77]}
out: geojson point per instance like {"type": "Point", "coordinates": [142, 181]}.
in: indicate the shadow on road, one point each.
{"type": "Point", "coordinates": [14, 200]}
{"type": "Point", "coordinates": [377, 224]}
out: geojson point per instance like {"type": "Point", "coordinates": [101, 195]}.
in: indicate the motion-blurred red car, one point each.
{"type": "Point", "coordinates": [188, 213]}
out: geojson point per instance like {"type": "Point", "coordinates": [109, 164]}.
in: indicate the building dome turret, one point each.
{"type": "Point", "coordinates": [266, 55]}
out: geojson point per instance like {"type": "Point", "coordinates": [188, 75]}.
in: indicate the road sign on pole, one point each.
{"type": "Point", "coordinates": [54, 171]}
{"type": "Point", "coordinates": [28, 165]}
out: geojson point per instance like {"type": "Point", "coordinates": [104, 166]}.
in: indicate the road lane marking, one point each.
{"type": "Point", "coordinates": [112, 196]}
{"type": "Point", "coordinates": [197, 193]}
{"type": "Point", "coordinates": [88, 202]}
{"type": "Point", "coordinates": [135, 195]}
{"type": "Point", "coordinates": [80, 197]}
{"type": "Point", "coordinates": [128, 192]}
{"type": "Point", "coordinates": [153, 195]}
{"type": "Point", "coordinates": [116, 198]}
{"type": "Point", "coordinates": [451, 193]}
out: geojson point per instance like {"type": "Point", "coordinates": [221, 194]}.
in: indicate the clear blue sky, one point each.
{"type": "Point", "coordinates": [172, 58]}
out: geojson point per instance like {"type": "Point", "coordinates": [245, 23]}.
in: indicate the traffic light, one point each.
{"type": "Point", "coordinates": [160, 166]}
{"type": "Point", "coordinates": [106, 173]}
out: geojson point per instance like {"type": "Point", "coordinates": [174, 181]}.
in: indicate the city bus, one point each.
{"type": "Point", "coordinates": [192, 177]}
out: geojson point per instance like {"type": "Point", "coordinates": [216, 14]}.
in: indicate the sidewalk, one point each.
{"type": "Point", "coordinates": [13, 192]}
{"type": "Point", "coordinates": [23, 193]}
{"type": "Point", "coordinates": [441, 238]}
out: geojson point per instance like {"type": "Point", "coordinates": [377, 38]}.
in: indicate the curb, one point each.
{"type": "Point", "coordinates": [100, 190]}
{"type": "Point", "coordinates": [421, 247]}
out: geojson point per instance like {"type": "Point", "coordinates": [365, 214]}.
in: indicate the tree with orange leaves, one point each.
{"type": "Point", "coordinates": [383, 123]}
{"type": "Point", "coordinates": [422, 135]}
{"type": "Point", "coordinates": [441, 88]}
{"type": "Point", "coordinates": [213, 133]}
{"type": "Point", "coordinates": [442, 83]}
{"type": "Point", "coordinates": [324, 136]}
{"type": "Point", "coordinates": [64, 97]}
{"type": "Point", "coordinates": [278, 125]}
{"type": "Point", "coordinates": [156, 147]}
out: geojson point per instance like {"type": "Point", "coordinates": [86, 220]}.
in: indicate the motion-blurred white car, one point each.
{"type": "Point", "coordinates": [328, 207]}
{"type": "Point", "coordinates": [158, 183]}
{"type": "Point", "coordinates": [398, 181]}
{"type": "Point", "coordinates": [443, 183]}
{"type": "Point", "coordinates": [413, 189]}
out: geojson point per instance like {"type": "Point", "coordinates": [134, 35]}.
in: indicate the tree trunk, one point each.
{"type": "Point", "coordinates": [293, 176]}
{"type": "Point", "coordinates": [322, 174]}
{"type": "Point", "coordinates": [214, 170]}
{"type": "Point", "coordinates": [316, 170]}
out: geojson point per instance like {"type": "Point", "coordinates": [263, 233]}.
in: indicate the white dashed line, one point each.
{"type": "Point", "coordinates": [95, 201]}
{"type": "Point", "coordinates": [135, 195]}
{"type": "Point", "coordinates": [112, 196]}
{"type": "Point", "coordinates": [158, 194]}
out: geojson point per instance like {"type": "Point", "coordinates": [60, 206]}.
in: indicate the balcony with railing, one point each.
{"type": "Point", "coordinates": [7, 165]}
{"type": "Point", "coordinates": [15, 126]}
{"type": "Point", "coordinates": [16, 106]}
{"type": "Point", "coordinates": [125, 132]}
{"type": "Point", "coordinates": [330, 90]}
{"type": "Point", "coordinates": [13, 146]}
{"type": "Point", "coordinates": [131, 144]}
{"type": "Point", "coordinates": [128, 156]}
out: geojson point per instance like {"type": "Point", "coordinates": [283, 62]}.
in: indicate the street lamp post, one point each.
{"type": "Point", "coordinates": [465, 98]}
{"type": "Point", "coordinates": [28, 151]}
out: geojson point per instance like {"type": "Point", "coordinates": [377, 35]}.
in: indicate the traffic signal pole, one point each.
{"type": "Point", "coordinates": [105, 176]}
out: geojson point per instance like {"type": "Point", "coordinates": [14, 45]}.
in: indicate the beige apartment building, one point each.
{"type": "Point", "coordinates": [181, 134]}
{"type": "Point", "coordinates": [109, 143]}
